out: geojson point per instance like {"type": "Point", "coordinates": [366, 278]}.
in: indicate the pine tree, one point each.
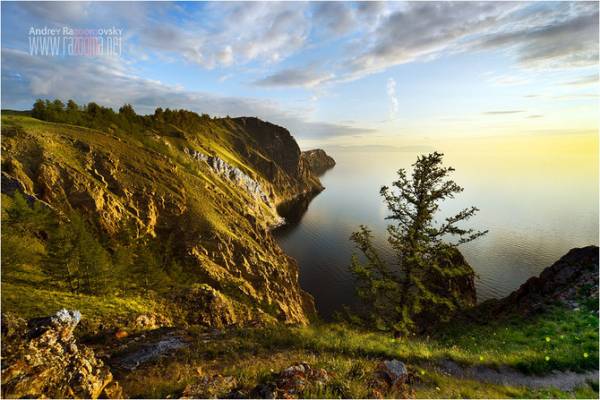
{"type": "Point", "coordinates": [77, 258]}
{"type": "Point", "coordinates": [424, 262]}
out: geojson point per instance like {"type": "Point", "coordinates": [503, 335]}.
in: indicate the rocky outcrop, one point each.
{"type": "Point", "coordinates": [215, 190]}
{"type": "Point", "coordinates": [569, 281]}
{"type": "Point", "coordinates": [279, 159]}
{"type": "Point", "coordinates": [318, 161]}
{"type": "Point", "coordinates": [459, 290]}
{"type": "Point", "coordinates": [42, 359]}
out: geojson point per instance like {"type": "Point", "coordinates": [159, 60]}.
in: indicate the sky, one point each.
{"type": "Point", "coordinates": [333, 73]}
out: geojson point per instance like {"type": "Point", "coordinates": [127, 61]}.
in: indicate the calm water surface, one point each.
{"type": "Point", "coordinates": [535, 207]}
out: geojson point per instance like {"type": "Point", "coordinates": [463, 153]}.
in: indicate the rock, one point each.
{"type": "Point", "coordinates": [318, 161]}
{"type": "Point", "coordinates": [159, 345]}
{"type": "Point", "coordinates": [459, 290]}
{"type": "Point", "coordinates": [207, 306]}
{"type": "Point", "coordinates": [393, 371]}
{"type": "Point", "coordinates": [291, 382]}
{"type": "Point", "coordinates": [568, 281]}
{"type": "Point", "coordinates": [42, 359]}
{"type": "Point", "coordinates": [391, 379]}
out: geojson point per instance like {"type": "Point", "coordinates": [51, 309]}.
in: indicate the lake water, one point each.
{"type": "Point", "coordinates": [536, 208]}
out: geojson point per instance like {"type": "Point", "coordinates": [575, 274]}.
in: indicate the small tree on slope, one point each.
{"type": "Point", "coordinates": [420, 284]}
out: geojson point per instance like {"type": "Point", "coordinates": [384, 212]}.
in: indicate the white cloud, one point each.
{"type": "Point", "coordinates": [110, 82]}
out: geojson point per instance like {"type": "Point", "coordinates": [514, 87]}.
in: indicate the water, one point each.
{"type": "Point", "coordinates": [536, 208]}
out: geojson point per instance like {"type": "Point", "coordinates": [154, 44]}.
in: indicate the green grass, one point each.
{"type": "Point", "coordinates": [557, 339]}
{"type": "Point", "coordinates": [522, 344]}
{"type": "Point", "coordinates": [40, 302]}
{"type": "Point", "coordinates": [350, 356]}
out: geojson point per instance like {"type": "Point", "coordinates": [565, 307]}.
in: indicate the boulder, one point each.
{"type": "Point", "coordinates": [291, 382]}
{"type": "Point", "coordinates": [391, 379]}
{"type": "Point", "coordinates": [394, 372]}
{"type": "Point", "coordinates": [42, 359]}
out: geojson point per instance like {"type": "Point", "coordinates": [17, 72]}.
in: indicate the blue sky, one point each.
{"type": "Point", "coordinates": [331, 72]}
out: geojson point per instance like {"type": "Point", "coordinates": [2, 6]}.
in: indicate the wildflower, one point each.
{"type": "Point", "coordinates": [480, 358]}
{"type": "Point", "coordinates": [586, 355]}
{"type": "Point", "coordinates": [423, 371]}
{"type": "Point", "coordinates": [547, 339]}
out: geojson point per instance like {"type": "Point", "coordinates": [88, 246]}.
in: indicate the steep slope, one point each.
{"type": "Point", "coordinates": [210, 189]}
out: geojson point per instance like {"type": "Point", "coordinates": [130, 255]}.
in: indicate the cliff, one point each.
{"type": "Point", "coordinates": [207, 187]}
{"type": "Point", "coordinates": [570, 281]}
{"type": "Point", "coordinates": [318, 161]}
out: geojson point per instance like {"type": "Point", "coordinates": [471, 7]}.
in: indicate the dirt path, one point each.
{"type": "Point", "coordinates": [563, 380]}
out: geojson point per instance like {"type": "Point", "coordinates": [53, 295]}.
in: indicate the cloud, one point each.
{"type": "Point", "coordinates": [391, 92]}
{"type": "Point", "coordinates": [421, 31]}
{"type": "Point", "coordinates": [572, 42]}
{"type": "Point", "coordinates": [235, 33]}
{"type": "Point", "coordinates": [583, 81]}
{"type": "Point", "coordinates": [502, 112]}
{"type": "Point", "coordinates": [110, 82]}
{"type": "Point", "coordinates": [300, 77]}
{"type": "Point", "coordinates": [538, 35]}
{"type": "Point", "coordinates": [334, 17]}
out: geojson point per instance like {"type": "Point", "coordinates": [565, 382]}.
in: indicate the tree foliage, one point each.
{"type": "Point", "coordinates": [126, 119]}
{"type": "Point", "coordinates": [422, 281]}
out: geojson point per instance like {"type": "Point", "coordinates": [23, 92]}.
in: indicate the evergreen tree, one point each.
{"type": "Point", "coordinates": [147, 268]}
{"type": "Point", "coordinates": [61, 262]}
{"type": "Point", "coordinates": [76, 257]}
{"type": "Point", "coordinates": [417, 282]}
{"type": "Point", "coordinates": [24, 229]}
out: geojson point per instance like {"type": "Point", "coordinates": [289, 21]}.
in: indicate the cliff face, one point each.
{"type": "Point", "coordinates": [280, 159]}
{"type": "Point", "coordinates": [214, 188]}
{"type": "Point", "coordinates": [318, 161]}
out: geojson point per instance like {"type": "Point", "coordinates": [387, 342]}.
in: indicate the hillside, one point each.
{"type": "Point", "coordinates": [204, 191]}
{"type": "Point", "coordinates": [138, 261]}
{"type": "Point", "coordinates": [552, 354]}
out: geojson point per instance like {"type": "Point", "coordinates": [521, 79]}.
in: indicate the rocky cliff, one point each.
{"type": "Point", "coordinates": [569, 281]}
{"type": "Point", "coordinates": [318, 161]}
{"type": "Point", "coordinates": [214, 185]}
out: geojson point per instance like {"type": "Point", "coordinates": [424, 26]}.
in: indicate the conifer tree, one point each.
{"type": "Point", "coordinates": [425, 261]}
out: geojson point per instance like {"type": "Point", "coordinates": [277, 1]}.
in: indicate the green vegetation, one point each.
{"type": "Point", "coordinates": [91, 241]}
{"type": "Point", "coordinates": [50, 262]}
{"type": "Point", "coordinates": [132, 213]}
{"type": "Point", "coordinates": [423, 285]}
{"type": "Point", "coordinates": [350, 355]}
